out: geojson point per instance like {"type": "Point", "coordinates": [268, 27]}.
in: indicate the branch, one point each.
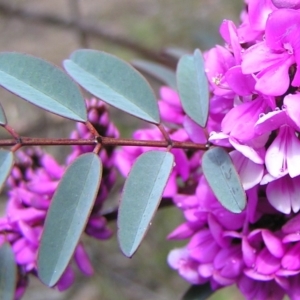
{"type": "Point", "coordinates": [104, 141]}
{"type": "Point", "coordinates": [86, 28]}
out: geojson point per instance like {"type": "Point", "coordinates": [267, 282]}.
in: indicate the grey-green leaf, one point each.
{"type": "Point", "coordinates": [141, 196]}
{"type": "Point", "coordinates": [3, 120]}
{"type": "Point", "coordinates": [67, 216]}
{"type": "Point", "coordinates": [193, 89]}
{"type": "Point", "coordinates": [198, 292]}
{"type": "Point", "coordinates": [42, 84]}
{"type": "Point", "coordinates": [223, 179]}
{"type": "Point", "coordinates": [8, 273]}
{"type": "Point", "coordinates": [115, 82]}
{"type": "Point", "coordinates": [6, 164]}
{"type": "Point", "coordinates": [157, 71]}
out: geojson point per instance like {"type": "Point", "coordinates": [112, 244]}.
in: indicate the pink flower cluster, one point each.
{"type": "Point", "coordinates": [254, 111]}
{"type": "Point", "coordinates": [32, 184]}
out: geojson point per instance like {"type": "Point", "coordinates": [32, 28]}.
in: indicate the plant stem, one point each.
{"type": "Point", "coordinates": [104, 141]}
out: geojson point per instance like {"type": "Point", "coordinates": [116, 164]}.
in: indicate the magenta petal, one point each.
{"type": "Point", "coordinates": [250, 173]}
{"type": "Point", "coordinates": [39, 187]}
{"type": "Point", "coordinates": [240, 83]}
{"type": "Point", "coordinates": [239, 122]}
{"type": "Point", "coordinates": [258, 276]}
{"type": "Point", "coordinates": [217, 61]}
{"type": "Point", "coordinates": [53, 168]}
{"type": "Point", "coordinates": [292, 225]}
{"type": "Point", "coordinates": [286, 4]}
{"type": "Point", "coordinates": [171, 187]}
{"type": "Point", "coordinates": [249, 253]}
{"type": "Point", "coordinates": [266, 263]}
{"type": "Point", "coordinates": [283, 194]}
{"type": "Point", "coordinates": [293, 154]}
{"type": "Point", "coordinates": [170, 113]}
{"type": "Point", "coordinates": [202, 247]}
{"type": "Point", "coordinates": [270, 121]}
{"type": "Point", "coordinates": [273, 243]}
{"type": "Point", "coordinates": [181, 163]}
{"type": "Point", "coordinates": [259, 57]}
{"type": "Point", "coordinates": [83, 260]}
{"type": "Point", "coordinates": [170, 96]}
{"type": "Point", "coordinates": [217, 231]}
{"type": "Point", "coordinates": [219, 105]}
{"type": "Point", "coordinates": [206, 270]}
{"type": "Point", "coordinates": [229, 33]}
{"type": "Point", "coordinates": [267, 80]}
{"type": "Point", "coordinates": [29, 233]}
{"type": "Point", "coordinates": [276, 155]}
{"type": "Point", "coordinates": [292, 107]}
{"type": "Point", "coordinates": [247, 151]}
{"type": "Point", "coordinates": [229, 262]}
{"type": "Point", "coordinates": [183, 231]}
{"type": "Point", "coordinates": [26, 254]}
{"type": "Point", "coordinates": [195, 132]}
{"type": "Point", "coordinates": [66, 279]}
{"type": "Point", "coordinates": [282, 27]}
{"type": "Point", "coordinates": [176, 256]}
{"type": "Point", "coordinates": [179, 260]}
{"type": "Point", "coordinates": [259, 11]}
{"type": "Point", "coordinates": [291, 260]}
{"type": "Point", "coordinates": [290, 238]}
{"type": "Point", "coordinates": [283, 272]}
{"type": "Point", "coordinates": [223, 281]}
{"type": "Point", "coordinates": [247, 286]}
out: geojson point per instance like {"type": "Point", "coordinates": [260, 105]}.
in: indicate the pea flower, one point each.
{"type": "Point", "coordinates": [254, 113]}
{"type": "Point", "coordinates": [32, 183]}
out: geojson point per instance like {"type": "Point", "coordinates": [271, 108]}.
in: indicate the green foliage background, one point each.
{"type": "Point", "coordinates": [154, 24]}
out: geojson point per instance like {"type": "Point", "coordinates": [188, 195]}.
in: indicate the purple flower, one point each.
{"type": "Point", "coordinates": [254, 113]}
{"type": "Point", "coordinates": [271, 59]}
{"type": "Point", "coordinates": [32, 184]}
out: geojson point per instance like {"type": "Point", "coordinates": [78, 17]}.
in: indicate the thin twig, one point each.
{"type": "Point", "coordinates": [104, 141]}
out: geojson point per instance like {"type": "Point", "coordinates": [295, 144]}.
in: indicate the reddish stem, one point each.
{"type": "Point", "coordinates": [104, 141]}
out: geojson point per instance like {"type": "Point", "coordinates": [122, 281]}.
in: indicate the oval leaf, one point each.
{"type": "Point", "coordinates": [67, 216]}
{"type": "Point", "coordinates": [42, 84]}
{"type": "Point", "coordinates": [141, 196]}
{"type": "Point", "coordinates": [6, 164]}
{"type": "Point", "coordinates": [8, 273]}
{"type": "Point", "coordinates": [3, 120]}
{"type": "Point", "coordinates": [157, 71]}
{"type": "Point", "coordinates": [193, 87]}
{"type": "Point", "coordinates": [223, 179]}
{"type": "Point", "coordinates": [198, 292]}
{"type": "Point", "coordinates": [115, 82]}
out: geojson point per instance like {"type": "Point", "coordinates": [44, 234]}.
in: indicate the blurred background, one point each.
{"type": "Point", "coordinates": [129, 29]}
